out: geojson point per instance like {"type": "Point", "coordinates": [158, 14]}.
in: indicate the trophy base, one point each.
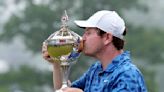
{"type": "Point", "coordinates": [60, 90]}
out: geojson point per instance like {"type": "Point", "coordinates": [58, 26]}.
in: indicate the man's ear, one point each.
{"type": "Point", "coordinates": [108, 38]}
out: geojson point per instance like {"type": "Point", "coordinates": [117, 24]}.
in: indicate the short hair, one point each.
{"type": "Point", "coordinates": [117, 42]}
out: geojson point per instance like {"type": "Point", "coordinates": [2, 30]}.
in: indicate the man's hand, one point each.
{"type": "Point", "coordinates": [45, 54]}
{"type": "Point", "coordinates": [68, 89]}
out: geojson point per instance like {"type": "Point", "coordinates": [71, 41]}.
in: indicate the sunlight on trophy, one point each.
{"type": "Point", "coordinates": [63, 46]}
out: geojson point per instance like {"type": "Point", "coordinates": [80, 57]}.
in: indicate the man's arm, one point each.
{"type": "Point", "coordinates": [57, 81]}
{"type": "Point", "coordinates": [72, 90]}
{"type": "Point", "coordinates": [57, 77]}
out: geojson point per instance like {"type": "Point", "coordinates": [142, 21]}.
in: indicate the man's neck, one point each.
{"type": "Point", "coordinates": [107, 56]}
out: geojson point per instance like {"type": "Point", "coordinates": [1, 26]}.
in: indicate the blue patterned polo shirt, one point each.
{"type": "Point", "coordinates": [119, 76]}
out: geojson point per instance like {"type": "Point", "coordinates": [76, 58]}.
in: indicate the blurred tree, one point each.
{"type": "Point", "coordinates": [88, 8]}
{"type": "Point", "coordinates": [26, 79]}
{"type": "Point", "coordinates": [146, 44]}
{"type": "Point", "coordinates": [2, 3]}
{"type": "Point", "coordinates": [35, 23]}
{"type": "Point", "coordinates": [150, 80]}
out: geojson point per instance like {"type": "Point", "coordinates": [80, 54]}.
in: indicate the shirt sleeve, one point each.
{"type": "Point", "coordinates": [129, 81]}
{"type": "Point", "coordinates": [81, 82]}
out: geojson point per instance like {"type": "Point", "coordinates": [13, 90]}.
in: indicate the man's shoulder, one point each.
{"type": "Point", "coordinates": [127, 70]}
{"type": "Point", "coordinates": [129, 76]}
{"type": "Point", "coordinates": [127, 66]}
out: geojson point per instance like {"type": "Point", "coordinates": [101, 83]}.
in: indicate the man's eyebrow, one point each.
{"type": "Point", "coordinates": [86, 29]}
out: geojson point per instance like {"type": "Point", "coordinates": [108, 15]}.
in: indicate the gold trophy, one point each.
{"type": "Point", "coordinates": [63, 47]}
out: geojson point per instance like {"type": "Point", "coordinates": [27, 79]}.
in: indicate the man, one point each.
{"type": "Point", "coordinates": [113, 72]}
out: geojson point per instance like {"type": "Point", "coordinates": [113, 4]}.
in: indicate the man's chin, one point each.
{"type": "Point", "coordinates": [88, 54]}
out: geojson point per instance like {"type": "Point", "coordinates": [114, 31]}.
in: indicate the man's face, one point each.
{"type": "Point", "coordinates": [93, 43]}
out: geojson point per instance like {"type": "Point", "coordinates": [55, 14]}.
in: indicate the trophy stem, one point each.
{"type": "Point", "coordinates": [65, 68]}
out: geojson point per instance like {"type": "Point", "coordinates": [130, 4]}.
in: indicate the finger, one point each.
{"type": "Point", "coordinates": [44, 46]}
{"type": "Point", "coordinates": [45, 54]}
{"type": "Point", "coordinates": [65, 89]}
{"type": "Point", "coordinates": [69, 83]}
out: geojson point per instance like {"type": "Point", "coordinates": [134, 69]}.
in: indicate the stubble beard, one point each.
{"type": "Point", "coordinates": [94, 54]}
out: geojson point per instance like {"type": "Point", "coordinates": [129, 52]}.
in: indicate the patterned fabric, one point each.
{"type": "Point", "coordinates": [119, 76]}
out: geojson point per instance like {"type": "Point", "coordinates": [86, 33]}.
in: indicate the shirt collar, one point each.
{"type": "Point", "coordinates": [116, 61]}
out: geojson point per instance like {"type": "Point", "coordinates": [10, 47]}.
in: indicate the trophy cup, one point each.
{"type": "Point", "coordinates": [63, 47]}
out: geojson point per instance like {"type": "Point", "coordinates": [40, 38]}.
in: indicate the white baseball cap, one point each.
{"type": "Point", "coordinates": [108, 21]}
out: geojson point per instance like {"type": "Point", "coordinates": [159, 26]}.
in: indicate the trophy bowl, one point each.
{"type": "Point", "coordinates": [63, 47]}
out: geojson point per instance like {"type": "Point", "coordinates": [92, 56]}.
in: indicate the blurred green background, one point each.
{"type": "Point", "coordinates": [25, 24]}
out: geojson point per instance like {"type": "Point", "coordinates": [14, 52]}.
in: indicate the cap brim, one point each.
{"type": "Point", "coordinates": [83, 24]}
